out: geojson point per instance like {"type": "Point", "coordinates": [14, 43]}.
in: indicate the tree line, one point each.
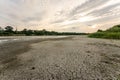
{"type": "Point", "coordinates": [9, 31]}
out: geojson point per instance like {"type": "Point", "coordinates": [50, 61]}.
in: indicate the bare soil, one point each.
{"type": "Point", "coordinates": [76, 58]}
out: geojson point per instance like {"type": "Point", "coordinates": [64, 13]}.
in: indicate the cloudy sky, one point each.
{"type": "Point", "coordinates": [60, 15]}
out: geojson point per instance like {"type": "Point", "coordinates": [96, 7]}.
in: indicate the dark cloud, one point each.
{"type": "Point", "coordinates": [74, 27]}
{"type": "Point", "coordinates": [103, 11]}
{"type": "Point", "coordinates": [28, 19]}
{"type": "Point", "coordinates": [104, 20]}
{"type": "Point", "coordinates": [18, 1]}
{"type": "Point", "coordinates": [89, 4]}
{"type": "Point", "coordinates": [58, 21]}
{"type": "Point", "coordinates": [13, 16]}
{"type": "Point", "coordinates": [35, 17]}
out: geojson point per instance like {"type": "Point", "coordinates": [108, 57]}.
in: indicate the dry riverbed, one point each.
{"type": "Point", "coordinates": [68, 58]}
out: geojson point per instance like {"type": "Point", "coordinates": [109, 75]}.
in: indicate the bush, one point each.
{"type": "Point", "coordinates": [111, 33]}
{"type": "Point", "coordinates": [97, 35]}
{"type": "Point", "coordinates": [107, 35]}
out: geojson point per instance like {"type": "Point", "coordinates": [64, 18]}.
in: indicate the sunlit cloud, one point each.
{"type": "Point", "coordinates": [60, 15]}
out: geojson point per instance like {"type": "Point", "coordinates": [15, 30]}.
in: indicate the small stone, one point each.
{"type": "Point", "coordinates": [88, 51]}
{"type": "Point", "coordinates": [33, 68]}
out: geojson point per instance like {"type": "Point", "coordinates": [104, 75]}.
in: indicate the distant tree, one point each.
{"type": "Point", "coordinates": [1, 31]}
{"type": "Point", "coordinates": [44, 32]}
{"type": "Point", "coordinates": [30, 32]}
{"type": "Point", "coordinates": [117, 26]}
{"type": "Point", "coordinates": [16, 31]}
{"type": "Point", "coordinates": [24, 31]}
{"type": "Point", "coordinates": [99, 30]}
{"type": "Point", "coordinates": [1, 28]}
{"type": "Point", "coordinates": [9, 29]}
{"type": "Point", "coordinates": [27, 32]}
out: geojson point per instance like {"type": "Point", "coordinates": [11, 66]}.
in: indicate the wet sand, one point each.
{"type": "Point", "coordinates": [72, 58]}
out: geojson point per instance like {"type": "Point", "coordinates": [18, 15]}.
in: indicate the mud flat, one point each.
{"type": "Point", "coordinates": [68, 58]}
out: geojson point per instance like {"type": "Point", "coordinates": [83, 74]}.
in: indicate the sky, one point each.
{"type": "Point", "coordinates": [60, 15]}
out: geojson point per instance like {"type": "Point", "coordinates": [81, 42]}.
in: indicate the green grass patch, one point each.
{"type": "Point", "coordinates": [111, 33]}
{"type": "Point", "coordinates": [106, 35]}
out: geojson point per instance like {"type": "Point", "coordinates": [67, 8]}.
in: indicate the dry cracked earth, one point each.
{"type": "Point", "coordinates": [76, 58]}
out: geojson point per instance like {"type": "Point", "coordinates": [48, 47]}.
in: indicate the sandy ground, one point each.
{"type": "Point", "coordinates": [77, 58]}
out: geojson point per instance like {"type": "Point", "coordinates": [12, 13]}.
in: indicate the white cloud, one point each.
{"type": "Point", "coordinates": [59, 15]}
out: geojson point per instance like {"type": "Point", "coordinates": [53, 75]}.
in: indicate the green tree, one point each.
{"type": "Point", "coordinates": [24, 31]}
{"type": "Point", "coordinates": [30, 32]}
{"type": "Point", "coordinates": [9, 29]}
{"type": "Point", "coordinates": [99, 30]}
{"type": "Point", "coordinates": [1, 31]}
